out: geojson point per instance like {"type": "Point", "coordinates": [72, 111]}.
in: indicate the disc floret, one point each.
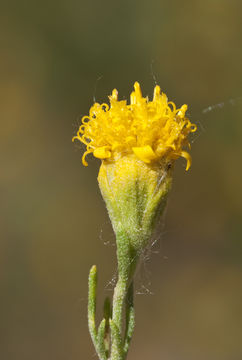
{"type": "Point", "coordinates": [152, 130]}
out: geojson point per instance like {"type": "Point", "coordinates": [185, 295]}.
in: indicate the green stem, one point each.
{"type": "Point", "coordinates": [119, 296]}
{"type": "Point", "coordinates": [117, 344]}
{"type": "Point", "coordinates": [127, 260]}
{"type": "Point", "coordinates": [130, 321]}
{"type": "Point", "coordinates": [123, 294]}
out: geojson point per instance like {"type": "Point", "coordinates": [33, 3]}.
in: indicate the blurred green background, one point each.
{"type": "Point", "coordinates": [56, 56]}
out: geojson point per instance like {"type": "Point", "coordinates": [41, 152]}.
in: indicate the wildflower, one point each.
{"type": "Point", "coordinates": [138, 144]}
{"type": "Point", "coordinates": [152, 130]}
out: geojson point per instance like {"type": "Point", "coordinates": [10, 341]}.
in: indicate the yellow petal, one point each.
{"type": "Point", "coordinates": [84, 157]}
{"type": "Point", "coordinates": [144, 153]}
{"type": "Point", "coordinates": [102, 152]}
{"type": "Point", "coordinates": [188, 158]}
{"type": "Point", "coordinates": [138, 128]}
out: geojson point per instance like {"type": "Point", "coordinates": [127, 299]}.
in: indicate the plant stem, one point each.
{"type": "Point", "coordinates": [130, 319]}
{"type": "Point", "coordinates": [119, 297]}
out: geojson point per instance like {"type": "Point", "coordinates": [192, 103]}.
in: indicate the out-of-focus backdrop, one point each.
{"type": "Point", "coordinates": [56, 57]}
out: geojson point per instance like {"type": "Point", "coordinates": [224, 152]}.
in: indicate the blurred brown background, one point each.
{"type": "Point", "coordinates": [53, 221]}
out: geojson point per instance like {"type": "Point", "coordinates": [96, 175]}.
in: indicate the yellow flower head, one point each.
{"type": "Point", "coordinates": [152, 130]}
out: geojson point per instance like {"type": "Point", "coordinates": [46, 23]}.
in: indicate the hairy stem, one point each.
{"type": "Point", "coordinates": [120, 292]}
{"type": "Point", "coordinates": [119, 297]}
{"type": "Point", "coordinates": [130, 321]}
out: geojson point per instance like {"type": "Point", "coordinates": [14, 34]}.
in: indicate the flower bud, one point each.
{"type": "Point", "coordinates": [135, 194]}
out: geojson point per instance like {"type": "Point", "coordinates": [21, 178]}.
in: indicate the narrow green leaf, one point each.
{"type": "Point", "coordinates": [107, 313]}
{"type": "Point", "coordinates": [92, 288]}
{"type": "Point", "coordinates": [130, 319]}
{"type": "Point", "coordinates": [101, 350]}
{"type": "Point", "coordinates": [117, 349]}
